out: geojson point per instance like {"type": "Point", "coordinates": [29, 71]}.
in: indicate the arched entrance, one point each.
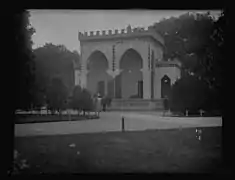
{"type": "Point", "coordinates": [97, 76]}
{"type": "Point", "coordinates": [165, 86]}
{"type": "Point", "coordinates": [130, 82]}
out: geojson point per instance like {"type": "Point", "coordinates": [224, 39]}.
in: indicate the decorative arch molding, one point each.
{"type": "Point", "coordinates": [165, 77]}
{"type": "Point", "coordinates": [92, 55]}
{"type": "Point", "coordinates": [140, 47]}
{"type": "Point", "coordinates": [133, 50]}
{"type": "Point", "coordinates": [88, 50]}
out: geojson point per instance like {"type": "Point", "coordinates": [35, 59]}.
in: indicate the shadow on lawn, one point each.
{"type": "Point", "coordinates": [159, 151]}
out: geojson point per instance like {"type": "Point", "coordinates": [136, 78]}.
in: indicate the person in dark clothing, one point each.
{"type": "Point", "coordinates": [103, 102]}
{"type": "Point", "coordinates": [166, 105]}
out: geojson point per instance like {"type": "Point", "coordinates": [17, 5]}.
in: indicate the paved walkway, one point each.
{"type": "Point", "coordinates": [111, 121]}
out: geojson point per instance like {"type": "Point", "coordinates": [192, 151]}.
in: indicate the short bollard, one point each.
{"type": "Point", "coordinates": [123, 124]}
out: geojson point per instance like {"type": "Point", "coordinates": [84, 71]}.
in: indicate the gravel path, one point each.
{"type": "Point", "coordinates": [111, 121]}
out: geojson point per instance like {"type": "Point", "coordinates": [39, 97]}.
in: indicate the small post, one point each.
{"type": "Point", "coordinates": [69, 115]}
{"type": "Point", "coordinates": [201, 112]}
{"type": "Point", "coordinates": [123, 124]}
{"type": "Point", "coordinates": [186, 112]}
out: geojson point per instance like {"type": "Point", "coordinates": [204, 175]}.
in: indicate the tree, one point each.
{"type": "Point", "coordinates": [86, 101]}
{"type": "Point", "coordinates": [189, 93]}
{"type": "Point", "coordinates": [197, 40]}
{"type": "Point", "coordinates": [25, 64]}
{"type": "Point", "coordinates": [82, 100]}
{"type": "Point", "coordinates": [54, 61]}
{"type": "Point", "coordinates": [75, 101]}
{"type": "Point", "coordinates": [57, 94]}
{"type": "Point", "coordinates": [185, 35]}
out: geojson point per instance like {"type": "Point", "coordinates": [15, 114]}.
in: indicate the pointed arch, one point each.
{"type": "Point", "coordinates": [165, 86]}
{"type": "Point", "coordinates": [97, 59]}
{"type": "Point", "coordinates": [130, 81]}
{"type": "Point", "coordinates": [97, 77]}
{"type": "Point", "coordinates": [136, 56]}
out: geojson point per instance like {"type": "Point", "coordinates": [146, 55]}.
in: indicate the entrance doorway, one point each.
{"type": "Point", "coordinates": [140, 89]}
{"type": "Point", "coordinates": [130, 84]}
{"type": "Point", "coordinates": [101, 88]}
{"type": "Point", "coordinates": [165, 86]}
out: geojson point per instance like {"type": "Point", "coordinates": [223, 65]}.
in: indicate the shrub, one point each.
{"type": "Point", "coordinates": [189, 93]}
{"type": "Point", "coordinates": [106, 101]}
{"type": "Point", "coordinates": [81, 100]}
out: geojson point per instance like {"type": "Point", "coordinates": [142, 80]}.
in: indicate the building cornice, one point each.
{"type": "Point", "coordinates": [124, 34]}
{"type": "Point", "coordinates": [174, 63]}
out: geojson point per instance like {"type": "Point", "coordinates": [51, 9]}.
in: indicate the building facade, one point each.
{"type": "Point", "coordinates": [126, 64]}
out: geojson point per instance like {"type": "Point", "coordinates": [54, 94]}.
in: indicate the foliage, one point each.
{"type": "Point", "coordinates": [19, 164]}
{"type": "Point", "coordinates": [82, 100]}
{"type": "Point", "coordinates": [23, 32]}
{"type": "Point", "coordinates": [106, 101]}
{"type": "Point", "coordinates": [87, 101]}
{"type": "Point", "coordinates": [75, 101]}
{"type": "Point", "coordinates": [190, 93]}
{"type": "Point", "coordinates": [196, 40]}
{"type": "Point", "coordinates": [54, 61]}
{"type": "Point", "coordinates": [57, 94]}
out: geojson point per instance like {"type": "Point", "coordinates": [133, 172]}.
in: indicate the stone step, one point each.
{"type": "Point", "coordinates": [136, 105]}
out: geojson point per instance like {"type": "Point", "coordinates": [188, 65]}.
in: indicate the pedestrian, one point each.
{"type": "Point", "coordinates": [95, 104]}
{"type": "Point", "coordinates": [104, 101]}
{"type": "Point", "coordinates": [98, 103]}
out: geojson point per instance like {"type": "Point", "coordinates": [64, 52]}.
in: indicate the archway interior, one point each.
{"type": "Point", "coordinates": [165, 86]}
{"type": "Point", "coordinates": [129, 82]}
{"type": "Point", "coordinates": [97, 76]}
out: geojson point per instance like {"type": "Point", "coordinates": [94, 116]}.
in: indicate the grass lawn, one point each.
{"type": "Point", "coordinates": [142, 151]}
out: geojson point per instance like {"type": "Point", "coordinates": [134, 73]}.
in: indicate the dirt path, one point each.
{"type": "Point", "coordinates": [111, 121]}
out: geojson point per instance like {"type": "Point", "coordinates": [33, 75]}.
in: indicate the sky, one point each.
{"type": "Point", "coordinates": [62, 26]}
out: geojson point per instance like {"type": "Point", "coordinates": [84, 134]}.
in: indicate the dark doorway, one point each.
{"type": "Point", "coordinates": [131, 65]}
{"type": "Point", "coordinates": [97, 64]}
{"type": "Point", "coordinates": [111, 88]}
{"type": "Point", "coordinates": [140, 89]}
{"type": "Point", "coordinates": [101, 88]}
{"type": "Point", "coordinates": [165, 86]}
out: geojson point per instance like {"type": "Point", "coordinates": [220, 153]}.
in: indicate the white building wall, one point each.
{"type": "Point", "coordinates": [121, 46]}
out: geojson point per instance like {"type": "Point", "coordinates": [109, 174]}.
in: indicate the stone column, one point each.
{"type": "Point", "coordinates": [146, 72]}
{"type": "Point", "coordinates": [77, 74]}
{"type": "Point", "coordinates": [146, 83]}
{"type": "Point", "coordinates": [84, 72]}
{"type": "Point", "coordinates": [157, 81]}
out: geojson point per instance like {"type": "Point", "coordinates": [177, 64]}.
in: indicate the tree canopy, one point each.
{"type": "Point", "coordinates": [54, 61]}
{"type": "Point", "coordinates": [56, 94]}
{"type": "Point", "coordinates": [197, 40]}
{"type": "Point", "coordinates": [25, 64]}
{"type": "Point", "coordinates": [82, 100]}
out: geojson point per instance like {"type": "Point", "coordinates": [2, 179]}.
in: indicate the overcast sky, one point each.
{"type": "Point", "coordinates": [62, 26]}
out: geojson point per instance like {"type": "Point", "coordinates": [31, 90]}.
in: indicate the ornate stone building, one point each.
{"type": "Point", "coordinates": [126, 65]}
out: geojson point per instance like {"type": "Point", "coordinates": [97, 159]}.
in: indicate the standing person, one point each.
{"type": "Point", "coordinates": [98, 104]}
{"type": "Point", "coordinates": [103, 102]}
{"type": "Point", "coordinates": [95, 103]}
{"type": "Point", "coordinates": [166, 105]}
